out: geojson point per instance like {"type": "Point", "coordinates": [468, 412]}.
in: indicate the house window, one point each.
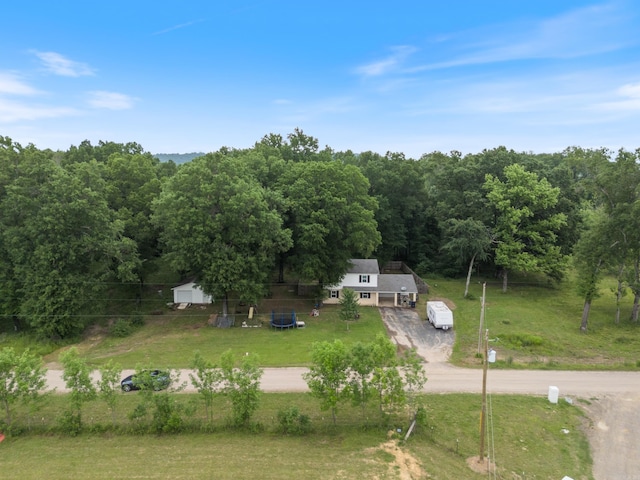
{"type": "Point", "coordinates": [334, 293]}
{"type": "Point", "coordinates": [364, 278]}
{"type": "Point", "coordinates": [365, 295]}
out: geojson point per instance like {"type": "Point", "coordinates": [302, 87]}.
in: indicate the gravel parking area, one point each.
{"type": "Point", "coordinates": [408, 329]}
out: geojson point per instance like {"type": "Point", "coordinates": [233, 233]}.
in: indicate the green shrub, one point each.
{"type": "Point", "coordinates": [292, 422]}
{"type": "Point", "coordinates": [70, 423]}
{"type": "Point", "coordinates": [522, 340]}
{"type": "Point", "coordinates": [121, 328]}
{"type": "Point", "coordinates": [137, 320]}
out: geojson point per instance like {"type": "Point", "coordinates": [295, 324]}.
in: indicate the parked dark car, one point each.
{"type": "Point", "coordinates": [151, 379]}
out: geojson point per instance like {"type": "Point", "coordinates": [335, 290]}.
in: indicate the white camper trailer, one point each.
{"type": "Point", "coordinates": [439, 315]}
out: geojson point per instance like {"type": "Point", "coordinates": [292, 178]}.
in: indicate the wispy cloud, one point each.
{"type": "Point", "coordinates": [627, 98]}
{"type": "Point", "coordinates": [12, 84]}
{"type": "Point", "coordinates": [388, 64]}
{"type": "Point", "coordinates": [282, 101]}
{"type": "Point", "coordinates": [110, 100]}
{"type": "Point", "coordinates": [60, 65]}
{"type": "Point", "coordinates": [11, 111]}
{"type": "Point", "coordinates": [577, 33]}
{"type": "Point", "coordinates": [177, 27]}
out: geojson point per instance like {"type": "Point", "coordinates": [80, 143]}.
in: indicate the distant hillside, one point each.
{"type": "Point", "coordinates": [178, 157]}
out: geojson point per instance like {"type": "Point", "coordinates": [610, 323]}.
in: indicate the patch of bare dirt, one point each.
{"type": "Point", "coordinates": [404, 466]}
{"type": "Point", "coordinates": [483, 466]}
{"type": "Point", "coordinates": [613, 436]}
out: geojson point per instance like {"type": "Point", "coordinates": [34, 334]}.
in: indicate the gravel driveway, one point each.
{"type": "Point", "coordinates": [406, 328]}
{"type": "Point", "coordinates": [614, 432]}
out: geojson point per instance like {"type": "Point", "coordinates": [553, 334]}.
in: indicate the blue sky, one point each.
{"type": "Point", "coordinates": [402, 76]}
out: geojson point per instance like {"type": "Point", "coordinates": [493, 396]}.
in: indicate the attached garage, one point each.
{"type": "Point", "coordinates": [190, 293]}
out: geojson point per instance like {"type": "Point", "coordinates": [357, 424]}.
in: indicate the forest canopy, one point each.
{"type": "Point", "coordinates": [74, 222]}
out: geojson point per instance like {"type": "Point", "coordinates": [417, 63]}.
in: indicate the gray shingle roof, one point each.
{"type": "Point", "coordinates": [364, 266]}
{"type": "Point", "coordinates": [393, 283]}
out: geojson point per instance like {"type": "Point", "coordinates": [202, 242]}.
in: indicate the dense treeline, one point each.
{"type": "Point", "coordinates": [73, 222]}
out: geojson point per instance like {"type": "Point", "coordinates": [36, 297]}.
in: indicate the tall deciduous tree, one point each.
{"type": "Point", "coordinates": [62, 243]}
{"type": "Point", "coordinates": [526, 224]}
{"type": "Point", "coordinates": [467, 240]}
{"type": "Point", "coordinates": [132, 184]}
{"type": "Point", "coordinates": [221, 225]}
{"type": "Point", "coordinates": [331, 216]}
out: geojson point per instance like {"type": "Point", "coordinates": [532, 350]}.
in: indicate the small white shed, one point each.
{"type": "Point", "coordinates": [190, 293]}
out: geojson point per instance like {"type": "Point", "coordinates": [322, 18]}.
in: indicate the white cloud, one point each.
{"type": "Point", "coordinates": [16, 111]}
{"type": "Point", "coordinates": [627, 98]}
{"type": "Point", "coordinates": [388, 64]}
{"type": "Point", "coordinates": [110, 100]}
{"type": "Point", "coordinates": [177, 27]}
{"type": "Point", "coordinates": [577, 33]}
{"type": "Point", "coordinates": [60, 65]}
{"type": "Point", "coordinates": [12, 84]}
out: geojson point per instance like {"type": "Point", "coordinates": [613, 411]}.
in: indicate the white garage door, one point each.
{"type": "Point", "coordinates": [184, 296]}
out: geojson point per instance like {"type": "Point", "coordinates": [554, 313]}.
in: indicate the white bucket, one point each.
{"type": "Point", "coordinates": [554, 393]}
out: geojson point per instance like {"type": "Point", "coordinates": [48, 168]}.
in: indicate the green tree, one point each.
{"type": "Point", "coordinates": [610, 243]}
{"type": "Point", "coordinates": [132, 184]}
{"type": "Point", "coordinates": [348, 306]}
{"type": "Point", "coordinates": [526, 224]}
{"type": "Point", "coordinates": [398, 185]}
{"type": "Point", "coordinates": [221, 225]}
{"type": "Point", "coordinates": [361, 367]}
{"type": "Point", "coordinates": [414, 377]}
{"type": "Point", "coordinates": [386, 379]}
{"type": "Point", "coordinates": [241, 385]}
{"type": "Point", "coordinates": [109, 386]}
{"type": "Point", "coordinates": [328, 377]}
{"type": "Point", "coordinates": [591, 255]}
{"type": "Point", "coordinates": [77, 376]}
{"type": "Point", "coordinates": [467, 240]}
{"type": "Point", "coordinates": [22, 377]}
{"type": "Point", "coordinates": [331, 216]}
{"type": "Point", "coordinates": [62, 244]}
{"type": "Point", "coordinates": [208, 380]}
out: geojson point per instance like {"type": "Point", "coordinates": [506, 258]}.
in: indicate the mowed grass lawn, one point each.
{"type": "Point", "coordinates": [170, 339]}
{"type": "Point", "coordinates": [539, 327]}
{"type": "Point", "coordinates": [529, 327]}
{"type": "Point", "coordinates": [549, 444]}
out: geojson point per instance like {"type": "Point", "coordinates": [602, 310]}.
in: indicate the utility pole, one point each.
{"type": "Point", "coordinates": [484, 288]}
{"type": "Point", "coordinates": [483, 413]}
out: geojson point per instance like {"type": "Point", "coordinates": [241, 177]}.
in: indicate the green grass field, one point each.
{"type": "Point", "coordinates": [539, 328]}
{"type": "Point", "coordinates": [530, 327]}
{"type": "Point", "coordinates": [549, 444]}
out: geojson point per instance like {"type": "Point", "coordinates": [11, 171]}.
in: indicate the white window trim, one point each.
{"type": "Point", "coordinates": [335, 294]}
{"type": "Point", "coordinates": [364, 295]}
{"type": "Point", "coordinates": [365, 279]}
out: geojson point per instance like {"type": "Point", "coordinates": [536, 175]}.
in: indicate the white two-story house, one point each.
{"type": "Point", "coordinates": [374, 288]}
